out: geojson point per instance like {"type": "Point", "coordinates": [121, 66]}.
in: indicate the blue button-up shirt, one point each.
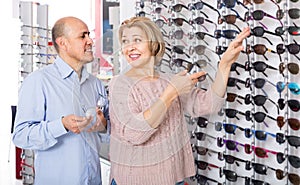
{"type": "Point", "coordinates": [61, 157]}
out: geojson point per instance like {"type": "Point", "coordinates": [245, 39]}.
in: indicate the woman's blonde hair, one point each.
{"type": "Point", "coordinates": [153, 34]}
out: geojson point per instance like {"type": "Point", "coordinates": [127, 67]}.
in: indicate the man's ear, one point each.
{"type": "Point", "coordinates": [61, 42]}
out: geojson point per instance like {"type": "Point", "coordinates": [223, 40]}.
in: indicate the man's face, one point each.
{"type": "Point", "coordinates": [79, 47]}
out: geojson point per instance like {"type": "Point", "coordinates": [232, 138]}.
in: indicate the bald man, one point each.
{"type": "Point", "coordinates": [57, 114]}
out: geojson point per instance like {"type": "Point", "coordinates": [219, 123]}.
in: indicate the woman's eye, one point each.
{"type": "Point", "coordinates": [124, 41]}
{"type": "Point", "coordinates": [138, 40]}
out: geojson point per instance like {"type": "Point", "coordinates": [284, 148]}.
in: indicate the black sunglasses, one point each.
{"type": "Point", "coordinates": [228, 34]}
{"type": "Point", "coordinates": [178, 7]}
{"type": "Point", "coordinates": [233, 82]}
{"type": "Point", "coordinates": [292, 122]}
{"type": "Point", "coordinates": [179, 62]}
{"type": "Point", "coordinates": [202, 150]}
{"type": "Point", "coordinates": [230, 175]}
{"type": "Point", "coordinates": [293, 160]}
{"type": "Point", "coordinates": [179, 49]}
{"type": "Point", "coordinates": [258, 83]}
{"type": "Point", "coordinates": [232, 113]}
{"type": "Point", "coordinates": [259, 15]}
{"type": "Point", "coordinates": [258, 168]}
{"type": "Point", "coordinates": [259, 66]}
{"type": "Point", "coordinates": [292, 30]}
{"type": "Point", "coordinates": [259, 117]}
{"type": "Point", "coordinates": [259, 134]}
{"type": "Point", "coordinates": [230, 4]}
{"type": "Point", "coordinates": [231, 19]}
{"type": "Point", "coordinates": [230, 144]}
{"type": "Point", "coordinates": [292, 140]}
{"type": "Point", "coordinates": [199, 6]}
{"type": "Point", "coordinates": [259, 31]}
{"type": "Point", "coordinates": [259, 100]}
{"type": "Point", "coordinates": [228, 127]}
{"type": "Point", "coordinates": [293, 104]}
{"type": "Point", "coordinates": [230, 159]}
{"type": "Point", "coordinates": [292, 48]}
{"type": "Point", "coordinates": [201, 136]}
{"type": "Point", "coordinates": [294, 13]}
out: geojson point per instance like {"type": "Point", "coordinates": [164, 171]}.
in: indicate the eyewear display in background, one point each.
{"type": "Point", "coordinates": [293, 48]}
{"type": "Point", "coordinates": [199, 6]}
{"type": "Point", "coordinates": [230, 4]}
{"type": "Point", "coordinates": [259, 100]}
{"type": "Point", "coordinates": [259, 31]}
{"type": "Point", "coordinates": [202, 150]}
{"type": "Point", "coordinates": [293, 160]}
{"type": "Point", "coordinates": [293, 104]}
{"type": "Point", "coordinates": [292, 122]}
{"type": "Point", "coordinates": [292, 140]}
{"type": "Point", "coordinates": [228, 127]}
{"type": "Point", "coordinates": [228, 34]}
{"type": "Point", "coordinates": [201, 136]}
{"type": "Point", "coordinates": [259, 117]}
{"type": "Point", "coordinates": [259, 49]}
{"type": "Point", "coordinates": [230, 159]}
{"type": "Point", "coordinates": [292, 30]}
{"type": "Point", "coordinates": [258, 168]}
{"type": "Point", "coordinates": [203, 180]}
{"type": "Point", "coordinates": [229, 144]}
{"type": "Point", "coordinates": [258, 134]}
{"type": "Point", "coordinates": [203, 165]}
{"type": "Point", "coordinates": [259, 152]}
{"type": "Point", "coordinates": [259, 15]}
{"type": "Point", "coordinates": [259, 66]}
{"type": "Point", "coordinates": [292, 67]}
{"type": "Point", "coordinates": [231, 19]}
{"type": "Point", "coordinates": [292, 86]}
{"type": "Point", "coordinates": [230, 175]}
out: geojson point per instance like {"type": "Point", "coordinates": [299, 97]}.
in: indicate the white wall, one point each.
{"type": "Point", "coordinates": [9, 50]}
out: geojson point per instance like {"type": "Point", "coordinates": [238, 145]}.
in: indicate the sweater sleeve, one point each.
{"type": "Point", "coordinates": [127, 120]}
{"type": "Point", "coordinates": [200, 102]}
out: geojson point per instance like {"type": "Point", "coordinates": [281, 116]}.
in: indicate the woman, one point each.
{"type": "Point", "coordinates": [149, 143]}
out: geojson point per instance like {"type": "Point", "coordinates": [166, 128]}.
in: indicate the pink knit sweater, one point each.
{"type": "Point", "coordinates": [141, 155]}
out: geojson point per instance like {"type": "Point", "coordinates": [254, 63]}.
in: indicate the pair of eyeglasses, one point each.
{"type": "Point", "coordinates": [230, 159]}
{"type": "Point", "coordinates": [200, 35]}
{"type": "Point", "coordinates": [230, 4]}
{"type": "Point", "coordinates": [231, 19]}
{"type": "Point", "coordinates": [178, 21]}
{"type": "Point", "coordinates": [292, 48]}
{"type": "Point", "coordinates": [259, 31]}
{"type": "Point", "coordinates": [228, 127]}
{"type": "Point", "coordinates": [202, 150]}
{"type": "Point", "coordinates": [294, 13]}
{"type": "Point", "coordinates": [199, 6]}
{"type": "Point", "coordinates": [258, 83]}
{"type": "Point", "coordinates": [258, 15]}
{"type": "Point", "coordinates": [228, 34]}
{"type": "Point", "coordinates": [259, 117]}
{"type": "Point", "coordinates": [259, 66]}
{"type": "Point", "coordinates": [200, 50]}
{"type": "Point", "coordinates": [230, 175]}
{"type": "Point", "coordinates": [179, 49]}
{"type": "Point", "coordinates": [232, 113]}
{"type": "Point", "coordinates": [292, 140]}
{"type": "Point", "coordinates": [259, 49]}
{"type": "Point", "coordinates": [203, 165]}
{"type": "Point", "coordinates": [292, 122]}
{"type": "Point", "coordinates": [179, 62]}
{"type": "Point", "coordinates": [231, 97]}
{"type": "Point", "coordinates": [201, 136]}
{"type": "Point", "coordinates": [293, 104]}
{"type": "Point", "coordinates": [293, 177]}
{"type": "Point", "coordinates": [178, 7]}
{"type": "Point", "coordinates": [200, 21]}
{"type": "Point", "coordinates": [203, 180]}
{"type": "Point", "coordinates": [259, 134]}
{"type": "Point", "coordinates": [233, 82]}
{"type": "Point", "coordinates": [259, 100]}
{"type": "Point", "coordinates": [259, 152]}
{"type": "Point", "coordinates": [292, 67]}
{"type": "Point", "coordinates": [230, 144]}
{"type": "Point", "coordinates": [249, 181]}
{"type": "Point", "coordinates": [292, 86]}
{"type": "Point", "coordinates": [292, 30]}
{"type": "Point", "coordinates": [293, 160]}
{"type": "Point", "coordinates": [258, 168]}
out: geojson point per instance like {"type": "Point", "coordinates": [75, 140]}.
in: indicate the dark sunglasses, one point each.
{"type": "Point", "coordinates": [292, 86]}
{"type": "Point", "coordinates": [293, 104]}
{"type": "Point", "coordinates": [292, 122]}
{"type": "Point", "coordinates": [231, 97]}
{"type": "Point", "coordinates": [203, 165]}
{"type": "Point", "coordinates": [259, 152]}
{"type": "Point", "coordinates": [259, 100]}
{"type": "Point", "coordinates": [294, 13]}
{"type": "Point", "coordinates": [230, 144]}
{"type": "Point", "coordinates": [201, 136]}
{"type": "Point", "coordinates": [251, 181]}
{"type": "Point", "coordinates": [231, 19]}
{"type": "Point", "coordinates": [178, 7]}
{"type": "Point", "coordinates": [230, 159]}
{"type": "Point", "coordinates": [292, 30]}
{"type": "Point", "coordinates": [293, 48]}
{"type": "Point", "coordinates": [230, 175]}
{"type": "Point", "coordinates": [228, 34]}
{"type": "Point", "coordinates": [258, 116]}
{"type": "Point", "coordinates": [203, 180]}
{"type": "Point", "coordinates": [258, 15]}
{"type": "Point", "coordinates": [259, 49]}
{"type": "Point", "coordinates": [179, 49]}
{"type": "Point", "coordinates": [293, 160]}
{"type": "Point", "coordinates": [230, 4]}
{"type": "Point", "coordinates": [258, 66]}
{"type": "Point", "coordinates": [178, 21]}
{"type": "Point", "coordinates": [232, 113]}
{"type": "Point", "coordinates": [292, 140]}
{"type": "Point", "coordinates": [258, 83]}
{"type": "Point", "coordinates": [233, 82]}
{"type": "Point", "coordinates": [259, 134]}
{"type": "Point", "coordinates": [199, 6]}
{"type": "Point", "coordinates": [292, 67]}
{"type": "Point", "coordinates": [259, 31]}
{"type": "Point", "coordinates": [179, 62]}
{"type": "Point", "coordinates": [258, 168]}
{"type": "Point", "coordinates": [202, 150]}
{"type": "Point", "coordinates": [228, 127]}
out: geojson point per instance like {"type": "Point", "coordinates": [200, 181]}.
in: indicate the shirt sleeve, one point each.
{"type": "Point", "coordinates": [200, 102]}
{"type": "Point", "coordinates": [31, 130]}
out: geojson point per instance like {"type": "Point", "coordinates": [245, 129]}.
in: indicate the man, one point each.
{"type": "Point", "coordinates": [57, 115]}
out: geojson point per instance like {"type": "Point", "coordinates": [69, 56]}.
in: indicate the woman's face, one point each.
{"type": "Point", "coordinates": [135, 46]}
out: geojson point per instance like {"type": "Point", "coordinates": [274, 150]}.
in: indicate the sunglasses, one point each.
{"type": "Point", "coordinates": [179, 62]}
{"type": "Point", "coordinates": [259, 100]}
{"type": "Point", "coordinates": [258, 83]}
{"type": "Point", "coordinates": [202, 150]}
{"type": "Point", "coordinates": [232, 113]}
{"type": "Point", "coordinates": [250, 181]}
{"type": "Point", "coordinates": [292, 30]}
{"type": "Point", "coordinates": [200, 20]}
{"type": "Point", "coordinates": [228, 127]}
{"type": "Point", "coordinates": [259, 31]}
{"type": "Point", "coordinates": [203, 165]}
{"type": "Point", "coordinates": [259, 49]}
{"type": "Point", "coordinates": [201, 136]}
{"type": "Point", "coordinates": [259, 152]}
{"type": "Point", "coordinates": [231, 97]}
{"type": "Point", "coordinates": [259, 117]}
{"type": "Point", "coordinates": [230, 175]}
{"type": "Point", "coordinates": [259, 66]}
{"type": "Point", "coordinates": [258, 15]}
{"type": "Point", "coordinates": [178, 7]}
{"type": "Point", "coordinates": [233, 82]}
{"type": "Point", "coordinates": [199, 6]}
{"type": "Point", "coordinates": [230, 144]}
{"type": "Point", "coordinates": [294, 13]}
{"type": "Point", "coordinates": [178, 21]}
{"type": "Point", "coordinates": [292, 86]}
{"type": "Point", "coordinates": [258, 168]}
{"type": "Point", "coordinates": [230, 4]}
{"type": "Point", "coordinates": [293, 160]}
{"type": "Point", "coordinates": [228, 34]}
{"type": "Point", "coordinates": [292, 122]}
{"type": "Point", "coordinates": [230, 159]}
{"type": "Point", "coordinates": [293, 48]}
{"type": "Point", "coordinates": [259, 134]}
{"type": "Point", "coordinates": [292, 140]}
{"type": "Point", "coordinates": [293, 178]}
{"type": "Point", "coordinates": [293, 104]}
{"type": "Point", "coordinates": [179, 49]}
{"type": "Point", "coordinates": [292, 67]}
{"type": "Point", "coordinates": [203, 180]}
{"type": "Point", "coordinates": [231, 19]}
